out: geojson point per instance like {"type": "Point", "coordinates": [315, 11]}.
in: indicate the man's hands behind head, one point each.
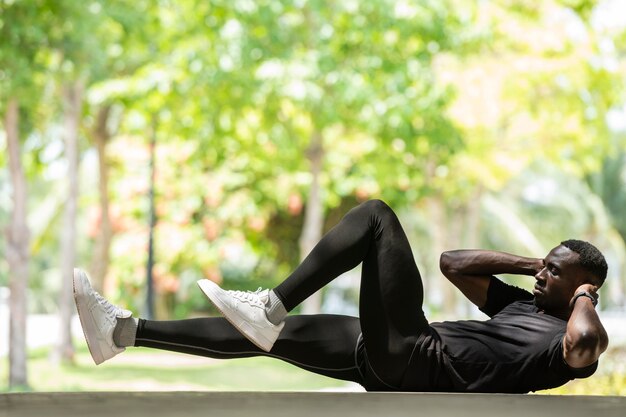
{"type": "Point", "coordinates": [587, 287]}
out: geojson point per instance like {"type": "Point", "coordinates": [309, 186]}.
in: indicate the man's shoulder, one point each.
{"type": "Point", "coordinates": [522, 305]}
{"type": "Point", "coordinates": [500, 295]}
{"type": "Point", "coordinates": [526, 312]}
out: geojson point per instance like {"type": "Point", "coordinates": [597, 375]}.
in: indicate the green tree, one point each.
{"type": "Point", "coordinates": [536, 94]}
{"type": "Point", "coordinates": [18, 60]}
{"type": "Point", "coordinates": [84, 48]}
{"type": "Point", "coordinates": [274, 101]}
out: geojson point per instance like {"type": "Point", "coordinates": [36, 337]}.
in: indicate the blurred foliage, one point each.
{"type": "Point", "coordinates": [495, 124]}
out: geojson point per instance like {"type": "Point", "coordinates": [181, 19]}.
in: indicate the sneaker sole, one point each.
{"type": "Point", "coordinates": [86, 322]}
{"type": "Point", "coordinates": [210, 289]}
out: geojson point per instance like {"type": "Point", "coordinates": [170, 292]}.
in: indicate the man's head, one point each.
{"type": "Point", "coordinates": [590, 259]}
{"type": "Point", "coordinates": [566, 267]}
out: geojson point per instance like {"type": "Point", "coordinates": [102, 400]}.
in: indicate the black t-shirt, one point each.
{"type": "Point", "coordinates": [516, 351]}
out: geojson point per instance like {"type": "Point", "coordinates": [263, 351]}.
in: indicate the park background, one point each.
{"type": "Point", "coordinates": [219, 139]}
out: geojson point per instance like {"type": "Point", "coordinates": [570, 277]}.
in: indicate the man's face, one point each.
{"type": "Point", "coordinates": [558, 280]}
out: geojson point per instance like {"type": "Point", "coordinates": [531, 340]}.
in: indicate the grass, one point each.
{"type": "Point", "coordinates": [609, 384]}
{"type": "Point", "coordinates": [142, 369]}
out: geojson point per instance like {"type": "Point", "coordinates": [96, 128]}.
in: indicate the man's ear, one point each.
{"type": "Point", "coordinates": [592, 281]}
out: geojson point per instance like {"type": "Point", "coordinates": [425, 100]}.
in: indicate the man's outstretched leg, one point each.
{"type": "Point", "coordinates": [324, 344]}
{"type": "Point", "coordinates": [391, 313]}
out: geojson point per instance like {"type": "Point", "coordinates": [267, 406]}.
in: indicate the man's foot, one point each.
{"type": "Point", "coordinates": [246, 311]}
{"type": "Point", "coordinates": [97, 318]}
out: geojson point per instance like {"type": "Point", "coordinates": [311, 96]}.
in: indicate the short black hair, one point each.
{"type": "Point", "coordinates": [590, 258]}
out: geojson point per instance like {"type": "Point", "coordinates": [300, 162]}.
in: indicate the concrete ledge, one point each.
{"type": "Point", "coordinates": [304, 404]}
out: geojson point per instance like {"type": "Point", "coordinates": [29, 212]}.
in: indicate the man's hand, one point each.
{"type": "Point", "coordinates": [590, 288]}
{"type": "Point", "coordinates": [585, 338]}
{"type": "Point", "coordinates": [537, 265]}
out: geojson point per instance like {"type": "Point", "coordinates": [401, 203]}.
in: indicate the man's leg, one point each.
{"type": "Point", "coordinates": [391, 292]}
{"type": "Point", "coordinates": [323, 344]}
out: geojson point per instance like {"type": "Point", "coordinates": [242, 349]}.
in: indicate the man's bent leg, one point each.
{"type": "Point", "coordinates": [391, 288]}
{"type": "Point", "coordinates": [391, 299]}
{"type": "Point", "coordinates": [323, 344]}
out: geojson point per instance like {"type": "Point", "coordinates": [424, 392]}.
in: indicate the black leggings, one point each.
{"type": "Point", "coordinates": [373, 350]}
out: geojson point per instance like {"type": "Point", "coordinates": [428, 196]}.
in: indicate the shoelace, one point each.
{"type": "Point", "coordinates": [253, 297]}
{"type": "Point", "coordinates": [109, 308]}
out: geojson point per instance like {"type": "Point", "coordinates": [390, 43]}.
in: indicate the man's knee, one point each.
{"type": "Point", "coordinates": [372, 210]}
{"type": "Point", "coordinates": [376, 206]}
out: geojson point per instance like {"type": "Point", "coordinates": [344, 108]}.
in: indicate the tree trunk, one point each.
{"type": "Point", "coordinates": [72, 97]}
{"type": "Point", "coordinates": [434, 283]}
{"type": "Point", "coordinates": [17, 253]}
{"type": "Point", "coordinates": [313, 215]}
{"type": "Point", "coordinates": [152, 224]}
{"type": "Point", "coordinates": [101, 253]}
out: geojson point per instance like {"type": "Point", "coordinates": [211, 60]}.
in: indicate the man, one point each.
{"type": "Point", "coordinates": [532, 341]}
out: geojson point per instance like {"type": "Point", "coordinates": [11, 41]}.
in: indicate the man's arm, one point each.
{"type": "Point", "coordinates": [585, 338]}
{"type": "Point", "coordinates": [471, 270]}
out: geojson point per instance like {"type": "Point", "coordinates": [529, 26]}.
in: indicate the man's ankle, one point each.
{"type": "Point", "coordinates": [125, 332]}
{"type": "Point", "coordinates": [274, 309]}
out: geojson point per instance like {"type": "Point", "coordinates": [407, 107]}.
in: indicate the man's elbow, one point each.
{"type": "Point", "coordinates": [446, 264]}
{"type": "Point", "coordinates": [584, 347]}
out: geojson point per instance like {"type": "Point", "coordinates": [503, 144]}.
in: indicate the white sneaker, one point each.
{"type": "Point", "coordinates": [97, 318]}
{"type": "Point", "coordinates": [246, 311]}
